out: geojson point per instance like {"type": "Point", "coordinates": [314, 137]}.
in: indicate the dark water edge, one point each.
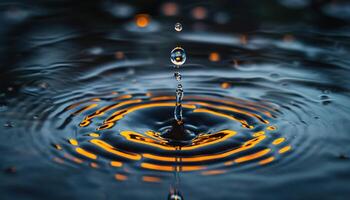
{"type": "Point", "coordinates": [87, 94]}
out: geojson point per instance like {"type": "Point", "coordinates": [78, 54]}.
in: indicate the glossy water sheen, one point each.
{"type": "Point", "coordinates": [87, 101]}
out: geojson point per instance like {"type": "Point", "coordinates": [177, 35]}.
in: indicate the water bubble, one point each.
{"type": "Point", "coordinates": [178, 56]}
{"type": "Point", "coordinates": [178, 27]}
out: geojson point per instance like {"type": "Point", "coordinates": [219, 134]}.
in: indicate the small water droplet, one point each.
{"type": "Point", "coordinates": [178, 56]}
{"type": "Point", "coordinates": [178, 27]}
{"type": "Point", "coordinates": [175, 197]}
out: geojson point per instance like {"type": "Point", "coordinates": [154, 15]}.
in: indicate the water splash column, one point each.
{"type": "Point", "coordinates": [178, 58]}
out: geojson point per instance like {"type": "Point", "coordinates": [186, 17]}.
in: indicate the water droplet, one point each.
{"type": "Point", "coordinates": [177, 76]}
{"type": "Point", "coordinates": [175, 197]}
{"type": "Point", "coordinates": [178, 56]}
{"type": "Point", "coordinates": [178, 107]}
{"type": "Point", "coordinates": [178, 27]}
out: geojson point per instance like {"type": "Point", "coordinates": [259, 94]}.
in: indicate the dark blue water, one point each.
{"type": "Point", "coordinates": [87, 100]}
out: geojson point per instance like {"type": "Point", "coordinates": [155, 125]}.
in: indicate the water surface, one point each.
{"type": "Point", "coordinates": [88, 94]}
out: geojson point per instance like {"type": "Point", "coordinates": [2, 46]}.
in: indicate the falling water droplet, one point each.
{"type": "Point", "coordinates": [175, 197]}
{"type": "Point", "coordinates": [178, 56]}
{"type": "Point", "coordinates": [177, 76]}
{"type": "Point", "coordinates": [178, 108]}
{"type": "Point", "coordinates": [178, 27]}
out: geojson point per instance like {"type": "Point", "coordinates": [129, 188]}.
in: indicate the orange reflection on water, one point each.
{"type": "Point", "coordinates": [214, 56]}
{"type": "Point", "coordinates": [87, 120]}
{"type": "Point", "coordinates": [139, 138]}
{"type": "Point", "coordinates": [225, 85]}
{"type": "Point", "coordinates": [121, 113]}
{"type": "Point", "coordinates": [73, 142]}
{"type": "Point", "coordinates": [113, 150]}
{"type": "Point", "coordinates": [142, 20]}
{"type": "Point", "coordinates": [120, 177]}
{"type": "Point", "coordinates": [94, 135]}
{"type": "Point", "coordinates": [285, 149]}
{"type": "Point", "coordinates": [81, 102]}
{"type": "Point", "coordinates": [267, 160]}
{"type": "Point", "coordinates": [85, 153]}
{"type": "Point", "coordinates": [88, 107]}
{"type": "Point", "coordinates": [232, 110]}
{"type": "Point", "coordinates": [116, 164]}
{"type": "Point", "coordinates": [252, 156]}
{"type": "Point", "coordinates": [72, 158]}
{"type": "Point", "coordinates": [243, 122]}
{"type": "Point", "coordinates": [252, 106]}
{"type": "Point", "coordinates": [201, 141]}
{"type": "Point", "coordinates": [247, 145]}
{"type": "Point", "coordinates": [213, 172]}
{"type": "Point", "coordinates": [151, 179]}
{"type": "Point", "coordinates": [58, 147]}
{"type": "Point", "coordinates": [278, 141]}
{"type": "Point", "coordinates": [170, 168]}
{"type": "Point", "coordinates": [125, 96]}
